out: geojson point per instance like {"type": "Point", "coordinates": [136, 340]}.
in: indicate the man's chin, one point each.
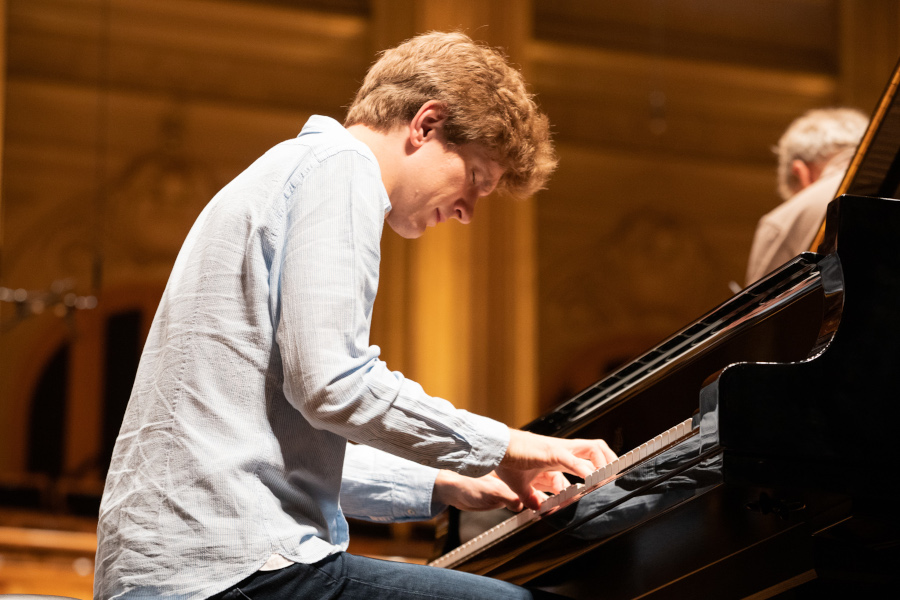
{"type": "Point", "coordinates": [408, 231]}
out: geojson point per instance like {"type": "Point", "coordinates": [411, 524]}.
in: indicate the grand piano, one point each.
{"type": "Point", "coordinates": [758, 445]}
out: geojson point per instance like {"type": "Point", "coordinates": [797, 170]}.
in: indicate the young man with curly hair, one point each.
{"type": "Point", "coordinates": [260, 414]}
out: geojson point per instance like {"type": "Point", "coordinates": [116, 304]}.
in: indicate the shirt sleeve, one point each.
{"type": "Point", "coordinates": [328, 281]}
{"type": "Point", "coordinates": [380, 487]}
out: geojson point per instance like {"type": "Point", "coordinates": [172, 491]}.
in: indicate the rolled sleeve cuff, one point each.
{"type": "Point", "coordinates": [489, 441]}
{"type": "Point", "coordinates": [412, 495]}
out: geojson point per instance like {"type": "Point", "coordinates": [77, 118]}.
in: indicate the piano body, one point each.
{"type": "Point", "coordinates": [783, 478]}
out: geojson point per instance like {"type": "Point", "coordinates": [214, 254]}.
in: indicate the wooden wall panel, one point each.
{"type": "Point", "coordinates": [664, 110]}
{"type": "Point", "coordinates": [869, 49]}
{"type": "Point", "coordinates": [631, 248]}
{"type": "Point", "coordinates": [259, 55]}
{"type": "Point", "coordinates": [797, 35]}
{"type": "Point", "coordinates": [639, 102]}
{"type": "Point", "coordinates": [115, 159]}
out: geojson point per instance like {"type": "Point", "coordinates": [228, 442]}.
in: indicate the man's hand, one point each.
{"type": "Point", "coordinates": [532, 460]}
{"type": "Point", "coordinates": [474, 493]}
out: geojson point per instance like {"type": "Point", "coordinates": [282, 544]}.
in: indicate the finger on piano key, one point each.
{"type": "Point", "coordinates": [591, 482]}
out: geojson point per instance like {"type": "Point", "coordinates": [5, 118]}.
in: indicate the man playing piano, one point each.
{"type": "Point", "coordinates": [232, 471]}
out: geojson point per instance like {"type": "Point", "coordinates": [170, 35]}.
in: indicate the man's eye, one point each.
{"type": "Point", "coordinates": [473, 176]}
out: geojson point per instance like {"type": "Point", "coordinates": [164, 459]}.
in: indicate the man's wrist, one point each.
{"type": "Point", "coordinates": [442, 493]}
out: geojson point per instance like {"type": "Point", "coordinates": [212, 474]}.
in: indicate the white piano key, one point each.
{"type": "Point", "coordinates": [524, 516]}
{"type": "Point", "coordinates": [576, 489]}
{"type": "Point", "coordinates": [551, 502]}
{"type": "Point", "coordinates": [629, 460]}
{"type": "Point", "coordinates": [608, 470]}
{"type": "Point", "coordinates": [633, 456]}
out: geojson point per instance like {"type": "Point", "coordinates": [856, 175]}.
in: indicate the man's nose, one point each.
{"type": "Point", "coordinates": [464, 210]}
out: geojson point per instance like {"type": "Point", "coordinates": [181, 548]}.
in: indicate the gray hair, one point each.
{"type": "Point", "coordinates": [815, 138]}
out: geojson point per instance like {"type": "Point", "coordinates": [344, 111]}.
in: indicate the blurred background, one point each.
{"type": "Point", "coordinates": [121, 119]}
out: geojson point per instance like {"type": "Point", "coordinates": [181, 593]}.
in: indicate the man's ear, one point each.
{"type": "Point", "coordinates": [427, 124]}
{"type": "Point", "coordinates": [803, 173]}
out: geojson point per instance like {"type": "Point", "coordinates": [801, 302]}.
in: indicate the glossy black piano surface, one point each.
{"type": "Point", "coordinates": [788, 487]}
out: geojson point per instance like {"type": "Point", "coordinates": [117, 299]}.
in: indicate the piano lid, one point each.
{"type": "Point", "coordinates": [875, 168]}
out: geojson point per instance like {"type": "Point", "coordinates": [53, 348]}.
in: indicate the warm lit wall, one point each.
{"type": "Point", "coordinates": [666, 111]}
{"type": "Point", "coordinates": [124, 116]}
{"type": "Point", "coordinates": [2, 102]}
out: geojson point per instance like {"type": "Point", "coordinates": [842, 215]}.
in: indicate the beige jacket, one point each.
{"type": "Point", "coordinates": [790, 229]}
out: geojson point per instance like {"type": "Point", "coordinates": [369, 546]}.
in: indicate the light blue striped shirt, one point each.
{"type": "Point", "coordinates": [257, 371]}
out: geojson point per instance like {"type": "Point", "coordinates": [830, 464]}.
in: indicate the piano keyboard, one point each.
{"type": "Point", "coordinates": [568, 496]}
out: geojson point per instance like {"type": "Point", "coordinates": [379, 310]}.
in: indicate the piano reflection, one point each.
{"type": "Point", "coordinates": [758, 445]}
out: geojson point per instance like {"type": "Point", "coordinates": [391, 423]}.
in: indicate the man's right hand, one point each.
{"type": "Point", "coordinates": [532, 460]}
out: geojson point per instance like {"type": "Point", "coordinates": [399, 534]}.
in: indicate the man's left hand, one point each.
{"type": "Point", "coordinates": [485, 493]}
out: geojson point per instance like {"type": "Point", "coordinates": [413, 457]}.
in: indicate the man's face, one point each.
{"type": "Point", "coordinates": [440, 182]}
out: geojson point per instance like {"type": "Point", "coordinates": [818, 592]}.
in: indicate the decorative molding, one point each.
{"type": "Point", "coordinates": [267, 55]}
{"type": "Point", "coordinates": [152, 203]}
{"type": "Point", "coordinates": [614, 99]}
{"type": "Point", "coordinates": [650, 258]}
{"type": "Point", "coordinates": [790, 35]}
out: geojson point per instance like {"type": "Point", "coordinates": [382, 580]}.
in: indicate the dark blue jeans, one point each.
{"type": "Point", "coordinates": [348, 576]}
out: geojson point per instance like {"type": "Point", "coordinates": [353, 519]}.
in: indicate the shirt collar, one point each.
{"type": "Point", "coordinates": [322, 124]}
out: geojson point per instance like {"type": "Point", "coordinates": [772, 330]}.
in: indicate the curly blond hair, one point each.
{"type": "Point", "coordinates": [485, 100]}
